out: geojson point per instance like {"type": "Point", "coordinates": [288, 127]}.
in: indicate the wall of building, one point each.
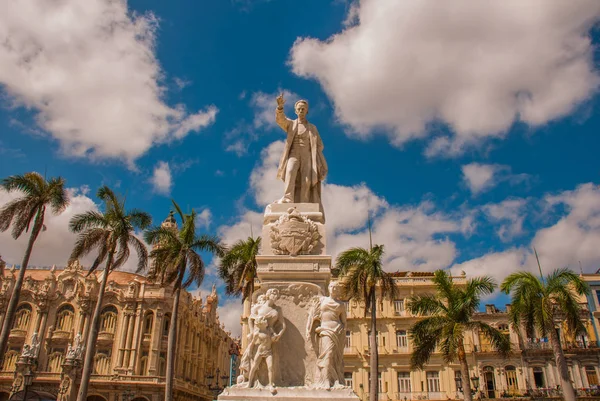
{"type": "Point", "coordinates": [132, 344]}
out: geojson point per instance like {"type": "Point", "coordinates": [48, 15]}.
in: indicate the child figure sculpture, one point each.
{"type": "Point", "coordinates": [263, 339]}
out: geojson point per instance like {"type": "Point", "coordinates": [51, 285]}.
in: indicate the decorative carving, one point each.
{"type": "Point", "coordinates": [30, 351]}
{"type": "Point", "coordinates": [75, 350]}
{"type": "Point", "coordinates": [293, 234]}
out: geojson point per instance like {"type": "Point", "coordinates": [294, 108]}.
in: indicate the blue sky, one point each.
{"type": "Point", "coordinates": [469, 132]}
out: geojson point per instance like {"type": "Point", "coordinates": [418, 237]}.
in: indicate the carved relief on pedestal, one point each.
{"type": "Point", "coordinates": [293, 234]}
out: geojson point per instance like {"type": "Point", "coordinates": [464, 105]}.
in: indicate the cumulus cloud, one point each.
{"type": "Point", "coordinates": [478, 67]}
{"type": "Point", "coordinates": [53, 246]}
{"type": "Point", "coordinates": [482, 177]}
{"type": "Point", "coordinates": [230, 313]}
{"type": "Point", "coordinates": [204, 218]}
{"type": "Point", "coordinates": [90, 74]}
{"type": "Point", "coordinates": [571, 240]}
{"type": "Point", "coordinates": [509, 215]}
{"type": "Point", "coordinates": [161, 178]}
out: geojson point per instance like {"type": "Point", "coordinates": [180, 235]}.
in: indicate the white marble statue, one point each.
{"type": "Point", "coordinates": [302, 166]}
{"type": "Point", "coordinates": [266, 326]}
{"type": "Point", "coordinates": [75, 350]}
{"type": "Point", "coordinates": [31, 350]}
{"type": "Point", "coordinates": [331, 318]}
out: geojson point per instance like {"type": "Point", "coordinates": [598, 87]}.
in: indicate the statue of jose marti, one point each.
{"type": "Point", "coordinates": [302, 166]}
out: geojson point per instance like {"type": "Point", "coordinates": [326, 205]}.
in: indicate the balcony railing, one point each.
{"type": "Point", "coordinates": [420, 395]}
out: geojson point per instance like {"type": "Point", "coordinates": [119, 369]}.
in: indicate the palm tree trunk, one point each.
{"type": "Point", "coordinates": [464, 370]}
{"type": "Point", "coordinates": [374, 357]}
{"type": "Point", "coordinates": [16, 292]}
{"type": "Point", "coordinates": [171, 346]}
{"type": "Point", "coordinates": [90, 348]}
{"type": "Point", "coordinates": [561, 364]}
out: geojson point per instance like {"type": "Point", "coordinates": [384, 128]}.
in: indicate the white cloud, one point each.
{"type": "Point", "coordinates": [204, 218]}
{"type": "Point", "coordinates": [476, 66]}
{"type": "Point", "coordinates": [161, 178]}
{"type": "Point", "coordinates": [480, 177]}
{"type": "Point", "coordinates": [53, 246]}
{"type": "Point", "coordinates": [90, 74]}
{"type": "Point", "coordinates": [230, 313]}
{"type": "Point", "coordinates": [264, 105]}
{"type": "Point", "coordinates": [509, 214]}
{"type": "Point", "coordinates": [572, 239]}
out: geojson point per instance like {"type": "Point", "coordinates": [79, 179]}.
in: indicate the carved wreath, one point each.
{"type": "Point", "coordinates": [293, 234]}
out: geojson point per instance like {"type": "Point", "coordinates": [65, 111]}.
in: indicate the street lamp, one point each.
{"type": "Point", "coordinates": [216, 389]}
{"type": "Point", "coordinates": [475, 381]}
{"type": "Point", "coordinates": [27, 382]}
{"type": "Point", "coordinates": [458, 381]}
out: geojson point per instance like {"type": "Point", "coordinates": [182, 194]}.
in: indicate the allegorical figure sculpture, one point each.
{"type": "Point", "coordinates": [266, 326]}
{"type": "Point", "coordinates": [302, 166]}
{"type": "Point", "coordinates": [330, 315]}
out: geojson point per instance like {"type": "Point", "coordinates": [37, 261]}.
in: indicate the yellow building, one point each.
{"type": "Point", "coordinates": [132, 344]}
{"type": "Point", "coordinates": [530, 367]}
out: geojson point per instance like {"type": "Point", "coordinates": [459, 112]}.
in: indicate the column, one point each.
{"type": "Point", "coordinates": [155, 343]}
{"type": "Point", "coordinates": [137, 339]}
{"type": "Point", "coordinates": [130, 326]}
{"type": "Point", "coordinates": [122, 340]}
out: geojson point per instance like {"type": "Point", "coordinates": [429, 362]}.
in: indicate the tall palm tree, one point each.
{"type": "Point", "coordinates": [539, 304]}
{"type": "Point", "coordinates": [25, 212]}
{"type": "Point", "coordinates": [449, 313]}
{"type": "Point", "coordinates": [238, 267]}
{"type": "Point", "coordinates": [176, 256]}
{"type": "Point", "coordinates": [110, 232]}
{"type": "Point", "coordinates": [362, 278]}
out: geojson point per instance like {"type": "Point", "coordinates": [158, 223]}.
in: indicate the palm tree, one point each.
{"type": "Point", "coordinates": [25, 212]}
{"type": "Point", "coordinates": [111, 233]}
{"type": "Point", "coordinates": [449, 314]}
{"type": "Point", "coordinates": [362, 277]}
{"type": "Point", "coordinates": [540, 303]}
{"type": "Point", "coordinates": [238, 267]}
{"type": "Point", "coordinates": [176, 256]}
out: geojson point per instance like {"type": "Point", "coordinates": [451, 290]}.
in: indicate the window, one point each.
{"type": "Point", "coordinates": [433, 382]}
{"type": "Point", "coordinates": [592, 377]}
{"type": "Point", "coordinates": [511, 379]}
{"type": "Point", "coordinates": [598, 296]}
{"type": "Point", "coordinates": [404, 382]}
{"type": "Point", "coordinates": [22, 317]}
{"type": "Point", "coordinates": [379, 390]}
{"type": "Point", "coordinates": [148, 321]}
{"type": "Point", "coordinates": [401, 339]}
{"type": "Point", "coordinates": [458, 380]}
{"type": "Point", "coordinates": [108, 320]}
{"type": "Point", "coordinates": [399, 306]}
{"type": "Point", "coordinates": [538, 377]}
{"type": "Point", "coordinates": [348, 379]}
{"type": "Point", "coordinates": [102, 362]}
{"type": "Point", "coordinates": [166, 325]}
{"type": "Point", "coordinates": [348, 339]}
{"type": "Point", "coordinates": [376, 337]}
{"type": "Point", "coordinates": [64, 318]}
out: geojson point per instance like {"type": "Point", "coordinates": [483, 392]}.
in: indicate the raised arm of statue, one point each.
{"type": "Point", "coordinates": [280, 117]}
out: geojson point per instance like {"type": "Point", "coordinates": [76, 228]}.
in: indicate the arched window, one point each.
{"type": "Point", "coordinates": [10, 360]}
{"type": "Point", "coordinates": [108, 320]}
{"type": "Point", "coordinates": [102, 362]}
{"type": "Point", "coordinates": [55, 360]}
{"type": "Point", "coordinates": [511, 379]}
{"type": "Point", "coordinates": [167, 321]}
{"type": "Point", "coordinates": [64, 318]}
{"type": "Point", "coordinates": [144, 365]}
{"type": "Point", "coordinates": [22, 317]}
{"type": "Point", "coordinates": [148, 322]}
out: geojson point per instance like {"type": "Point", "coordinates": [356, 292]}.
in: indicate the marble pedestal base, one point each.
{"type": "Point", "coordinates": [287, 394]}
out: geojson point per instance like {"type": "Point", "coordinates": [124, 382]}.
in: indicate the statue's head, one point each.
{"type": "Point", "coordinates": [272, 294]}
{"type": "Point", "coordinates": [331, 288]}
{"type": "Point", "coordinates": [301, 108]}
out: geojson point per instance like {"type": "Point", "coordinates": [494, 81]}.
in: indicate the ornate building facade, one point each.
{"type": "Point", "coordinates": [131, 351]}
{"type": "Point", "coordinates": [529, 368]}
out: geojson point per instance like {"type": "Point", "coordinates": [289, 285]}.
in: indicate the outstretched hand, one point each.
{"type": "Point", "coordinates": [280, 100]}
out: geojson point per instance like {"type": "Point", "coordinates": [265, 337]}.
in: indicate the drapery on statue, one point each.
{"type": "Point", "coordinates": [331, 316]}
{"type": "Point", "coordinates": [263, 323]}
{"type": "Point", "coordinates": [302, 166]}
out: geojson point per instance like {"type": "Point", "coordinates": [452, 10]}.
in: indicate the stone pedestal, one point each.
{"type": "Point", "coordinates": [293, 261]}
